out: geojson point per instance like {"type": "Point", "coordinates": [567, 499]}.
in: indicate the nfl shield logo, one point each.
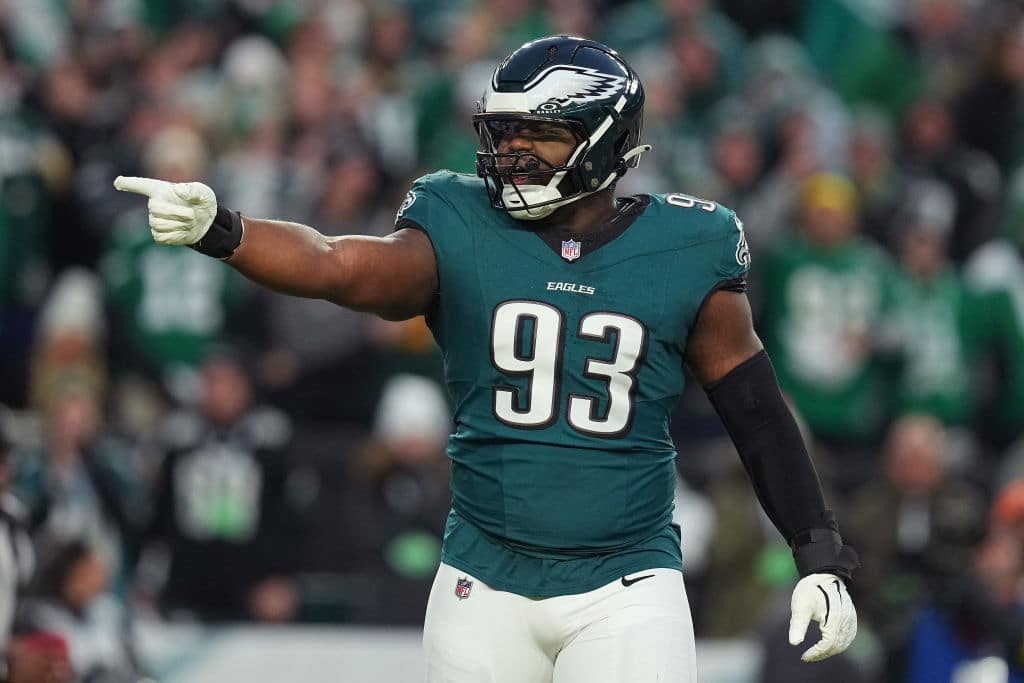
{"type": "Point", "coordinates": [462, 588]}
{"type": "Point", "coordinates": [570, 250]}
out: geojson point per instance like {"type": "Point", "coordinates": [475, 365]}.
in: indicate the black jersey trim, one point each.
{"type": "Point", "coordinates": [402, 223]}
{"type": "Point", "coordinates": [736, 284]}
{"type": "Point", "coordinates": [602, 235]}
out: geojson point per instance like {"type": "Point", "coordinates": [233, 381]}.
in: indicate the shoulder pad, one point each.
{"type": "Point", "coordinates": [703, 220]}
{"type": "Point", "coordinates": [445, 186]}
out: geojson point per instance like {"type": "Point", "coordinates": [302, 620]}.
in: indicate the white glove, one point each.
{"type": "Point", "coordinates": [179, 213]}
{"type": "Point", "coordinates": [823, 598]}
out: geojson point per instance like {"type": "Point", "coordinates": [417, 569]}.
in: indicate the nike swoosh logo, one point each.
{"type": "Point", "coordinates": [629, 582]}
{"type": "Point", "coordinates": [828, 606]}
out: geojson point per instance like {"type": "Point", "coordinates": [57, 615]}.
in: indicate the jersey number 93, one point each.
{"type": "Point", "coordinates": [528, 340]}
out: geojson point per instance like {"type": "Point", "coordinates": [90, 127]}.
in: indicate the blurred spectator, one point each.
{"type": "Point", "coordinates": [875, 172]}
{"type": "Point", "coordinates": [826, 290]}
{"type": "Point", "coordinates": [915, 528]}
{"type": "Point", "coordinates": [804, 125]}
{"type": "Point", "coordinates": [937, 325]}
{"type": "Point", "coordinates": [17, 555]}
{"type": "Point", "coordinates": [39, 657]}
{"type": "Point", "coordinates": [757, 18]}
{"type": "Point", "coordinates": [887, 54]}
{"type": "Point", "coordinates": [22, 660]}
{"type": "Point", "coordinates": [308, 371]}
{"type": "Point", "coordinates": [937, 33]}
{"type": "Point", "coordinates": [708, 48]}
{"type": "Point", "coordinates": [747, 561]}
{"type": "Point", "coordinates": [731, 604]}
{"type": "Point", "coordinates": [976, 615]}
{"type": "Point", "coordinates": [255, 84]}
{"type": "Point", "coordinates": [222, 513]}
{"type": "Point", "coordinates": [1007, 513]}
{"type": "Point", "coordinates": [988, 111]}
{"type": "Point", "coordinates": [399, 498]}
{"type": "Point", "coordinates": [69, 599]}
{"type": "Point", "coordinates": [932, 150]}
{"type": "Point", "coordinates": [68, 348]}
{"type": "Point", "coordinates": [734, 162]}
{"type": "Point", "coordinates": [33, 165]}
{"type": "Point", "coordinates": [775, 200]}
{"type": "Point", "coordinates": [81, 483]}
{"type": "Point", "coordinates": [996, 272]}
{"type": "Point", "coordinates": [572, 17]}
{"type": "Point", "coordinates": [157, 331]}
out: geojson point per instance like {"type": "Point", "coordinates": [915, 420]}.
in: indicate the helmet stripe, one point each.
{"type": "Point", "coordinates": [517, 102]}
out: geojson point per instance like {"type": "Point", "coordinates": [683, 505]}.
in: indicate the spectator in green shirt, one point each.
{"type": "Point", "coordinates": [158, 337]}
{"type": "Point", "coordinates": [934, 319]}
{"type": "Point", "coordinates": [826, 290]}
{"type": "Point", "coordinates": [995, 271]}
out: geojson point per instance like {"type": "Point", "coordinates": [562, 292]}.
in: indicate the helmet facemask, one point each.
{"type": "Point", "coordinates": [524, 183]}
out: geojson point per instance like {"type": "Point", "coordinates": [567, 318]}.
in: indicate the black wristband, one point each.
{"type": "Point", "coordinates": [224, 235]}
{"type": "Point", "coordinates": [825, 552]}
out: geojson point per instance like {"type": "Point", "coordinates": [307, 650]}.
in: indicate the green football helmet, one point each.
{"type": "Point", "coordinates": [573, 82]}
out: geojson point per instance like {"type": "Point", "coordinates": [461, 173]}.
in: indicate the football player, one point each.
{"type": "Point", "coordinates": [565, 316]}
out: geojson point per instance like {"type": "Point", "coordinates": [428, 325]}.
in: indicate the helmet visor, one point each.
{"type": "Point", "coordinates": [518, 150]}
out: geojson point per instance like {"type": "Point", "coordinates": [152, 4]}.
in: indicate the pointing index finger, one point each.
{"type": "Point", "coordinates": [150, 187]}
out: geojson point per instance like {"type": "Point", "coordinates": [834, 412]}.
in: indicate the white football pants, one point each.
{"type": "Point", "coordinates": [640, 633]}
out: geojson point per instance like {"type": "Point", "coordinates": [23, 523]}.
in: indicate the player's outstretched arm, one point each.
{"type": "Point", "coordinates": [394, 276]}
{"type": "Point", "coordinates": [726, 356]}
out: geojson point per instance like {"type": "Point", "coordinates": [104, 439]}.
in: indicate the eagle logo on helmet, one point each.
{"type": "Point", "coordinates": [570, 83]}
{"type": "Point", "coordinates": [563, 84]}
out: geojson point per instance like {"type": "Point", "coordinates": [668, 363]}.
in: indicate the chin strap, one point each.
{"type": "Point", "coordinates": [635, 152]}
{"type": "Point", "coordinates": [623, 165]}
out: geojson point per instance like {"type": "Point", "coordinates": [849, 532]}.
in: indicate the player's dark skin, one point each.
{"type": "Point", "coordinates": [395, 276]}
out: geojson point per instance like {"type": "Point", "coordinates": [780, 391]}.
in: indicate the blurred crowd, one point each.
{"type": "Point", "coordinates": [211, 451]}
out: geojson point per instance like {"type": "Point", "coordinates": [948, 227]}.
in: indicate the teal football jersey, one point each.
{"type": "Point", "coordinates": [564, 374]}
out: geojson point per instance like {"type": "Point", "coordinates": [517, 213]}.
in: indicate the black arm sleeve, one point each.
{"type": "Point", "coordinates": [751, 407]}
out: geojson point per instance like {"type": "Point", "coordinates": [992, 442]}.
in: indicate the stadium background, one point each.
{"type": "Point", "coordinates": [872, 148]}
